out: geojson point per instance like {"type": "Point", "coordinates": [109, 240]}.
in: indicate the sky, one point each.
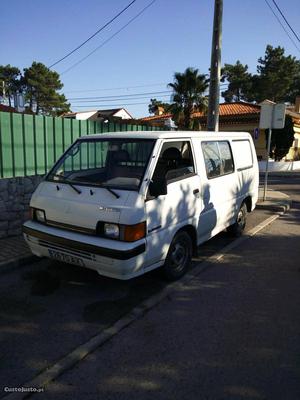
{"type": "Point", "coordinates": [167, 37]}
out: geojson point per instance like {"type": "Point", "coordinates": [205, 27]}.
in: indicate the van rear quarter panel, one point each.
{"type": "Point", "coordinates": [247, 169]}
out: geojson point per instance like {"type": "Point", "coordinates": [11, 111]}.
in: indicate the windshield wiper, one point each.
{"type": "Point", "coordinates": [73, 187]}
{"type": "Point", "coordinates": [110, 190]}
{"type": "Point", "coordinates": [79, 191]}
{"type": "Point", "coordinates": [67, 182]}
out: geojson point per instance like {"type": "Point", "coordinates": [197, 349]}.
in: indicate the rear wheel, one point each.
{"type": "Point", "coordinates": [238, 227]}
{"type": "Point", "coordinates": [179, 256]}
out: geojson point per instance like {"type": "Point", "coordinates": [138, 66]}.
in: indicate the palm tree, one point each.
{"type": "Point", "coordinates": [188, 96]}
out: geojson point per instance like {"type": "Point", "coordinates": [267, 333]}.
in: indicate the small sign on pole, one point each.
{"type": "Point", "coordinates": [279, 116]}
{"type": "Point", "coordinates": [272, 116]}
{"type": "Point", "coordinates": [266, 112]}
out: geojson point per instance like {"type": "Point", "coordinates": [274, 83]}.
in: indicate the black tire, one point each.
{"type": "Point", "coordinates": [179, 256]}
{"type": "Point", "coordinates": [238, 227]}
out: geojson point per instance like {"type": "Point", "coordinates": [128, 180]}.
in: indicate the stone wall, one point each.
{"type": "Point", "coordinates": [15, 194]}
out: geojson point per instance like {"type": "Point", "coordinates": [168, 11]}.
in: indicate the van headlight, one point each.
{"type": "Point", "coordinates": [38, 215]}
{"type": "Point", "coordinates": [112, 231]}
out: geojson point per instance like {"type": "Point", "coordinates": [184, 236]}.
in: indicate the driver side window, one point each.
{"type": "Point", "coordinates": [175, 161]}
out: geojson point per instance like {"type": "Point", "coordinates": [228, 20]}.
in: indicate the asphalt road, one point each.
{"type": "Point", "coordinates": [286, 184]}
{"type": "Point", "coordinates": [48, 309]}
{"type": "Point", "coordinates": [231, 333]}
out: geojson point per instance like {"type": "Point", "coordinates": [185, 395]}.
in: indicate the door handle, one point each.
{"type": "Point", "coordinates": [195, 191]}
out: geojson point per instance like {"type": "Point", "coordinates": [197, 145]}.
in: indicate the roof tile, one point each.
{"type": "Point", "coordinates": [226, 109]}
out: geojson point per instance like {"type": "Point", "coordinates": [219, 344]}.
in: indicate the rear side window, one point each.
{"type": "Point", "coordinates": [218, 158]}
{"type": "Point", "coordinates": [226, 157]}
{"type": "Point", "coordinates": [243, 154]}
{"type": "Point", "coordinates": [212, 159]}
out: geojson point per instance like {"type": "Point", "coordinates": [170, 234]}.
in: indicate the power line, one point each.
{"type": "Point", "coordinates": [283, 27]}
{"type": "Point", "coordinates": [163, 93]}
{"type": "Point", "coordinates": [118, 99]}
{"type": "Point", "coordinates": [110, 38]}
{"type": "Point", "coordinates": [133, 96]}
{"type": "Point", "coordinates": [110, 105]}
{"type": "Point", "coordinates": [124, 88]}
{"type": "Point", "coordinates": [103, 99]}
{"type": "Point", "coordinates": [99, 106]}
{"type": "Point", "coordinates": [94, 34]}
{"type": "Point", "coordinates": [116, 88]}
{"type": "Point", "coordinates": [287, 22]}
{"type": "Point", "coordinates": [121, 96]}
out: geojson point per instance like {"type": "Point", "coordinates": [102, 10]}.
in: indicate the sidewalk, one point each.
{"type": "Point", "coordinates": [275, 201]}
{"type": "Point", "coordinates": [292, 174]}
{"type": "Point", "coordinates": [14, 252]}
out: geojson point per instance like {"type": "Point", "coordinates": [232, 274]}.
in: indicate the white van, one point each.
{"type": "Point", "coordinates": [123, 204]}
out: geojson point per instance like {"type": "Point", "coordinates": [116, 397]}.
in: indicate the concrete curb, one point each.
{"type": "Point", "coordinates": [280, 206]}
{"type": "Point", "coordinates": [78, 354]}
{"type": "Point", "coordinates": [15, 263]}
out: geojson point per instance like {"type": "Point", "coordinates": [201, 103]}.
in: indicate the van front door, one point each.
{"type": "Point", "coordinates": [167, 213]}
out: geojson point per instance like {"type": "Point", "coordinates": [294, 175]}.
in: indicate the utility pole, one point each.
{"type": "Point", "coordinates": [215, 70]}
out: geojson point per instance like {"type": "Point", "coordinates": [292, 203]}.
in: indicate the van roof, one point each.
{"type": "Point", "coordinates": [165, 135]}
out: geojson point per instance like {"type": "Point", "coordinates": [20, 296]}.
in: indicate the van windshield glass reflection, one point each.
{"type": "Point", "coordinates": [112, 163]}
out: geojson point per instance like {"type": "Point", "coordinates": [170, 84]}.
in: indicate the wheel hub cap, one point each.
{"type": "Point", "coordinates": [178, 255]}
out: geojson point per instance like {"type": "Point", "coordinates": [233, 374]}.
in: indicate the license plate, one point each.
{"type": "Point", "coordinates": [57, 255]}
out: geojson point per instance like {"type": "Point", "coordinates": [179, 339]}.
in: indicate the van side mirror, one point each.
{"type": "Point", "coordinates": [158, 187]}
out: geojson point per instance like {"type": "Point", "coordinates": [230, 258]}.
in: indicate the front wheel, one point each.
{"type": "Point", "coordinates": [179, 256]}
{"type": "Point", "coordinates": [238, 227]}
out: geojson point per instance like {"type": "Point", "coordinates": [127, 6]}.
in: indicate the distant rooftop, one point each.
{"type": "Point", "coordinates": [226, 109]}
{"type": "Point", "coordinates": [101, 113]}
{"type": "Point", "coordinates": [3, 107]}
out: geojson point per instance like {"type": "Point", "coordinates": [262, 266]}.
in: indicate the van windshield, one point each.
{"type": "Point", "coordinates": [115, 163]}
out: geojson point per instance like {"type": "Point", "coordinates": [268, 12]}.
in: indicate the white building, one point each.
{"type": "Point", "coordinates": [100, 115]}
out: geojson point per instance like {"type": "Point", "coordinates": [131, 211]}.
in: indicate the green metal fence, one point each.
{"type": "Point", "coordinates": [30, 144]}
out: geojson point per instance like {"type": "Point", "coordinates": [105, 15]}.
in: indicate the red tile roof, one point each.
{"type": "Point", "coordinates": [157, 117]}
{"type": "Point", "coordinates": [3, 107]}
{"type": "Point", "coordinates": [226, 109]}
{"type": "Point", "coordinates": [235, 109]}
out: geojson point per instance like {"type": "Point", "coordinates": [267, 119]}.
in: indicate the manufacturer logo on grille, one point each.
{"type": "Point", "coordinates": [108, 209]}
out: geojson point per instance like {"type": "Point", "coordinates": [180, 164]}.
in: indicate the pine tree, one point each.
{"type": "Point", "coordinates": [278, 76]}
{"type": "Point", "coordinates": [9, 81]}
{"type": "Point", "coordinates": [41, 87]}
{"type": "Point", "coordinates": [239, 82]}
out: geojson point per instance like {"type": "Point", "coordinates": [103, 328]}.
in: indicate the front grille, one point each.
{"type": "Point", "coordinates": [72, 228]}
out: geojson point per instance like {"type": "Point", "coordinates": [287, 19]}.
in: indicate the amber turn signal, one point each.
{"type": "Point", "coordinates": [134, 232]}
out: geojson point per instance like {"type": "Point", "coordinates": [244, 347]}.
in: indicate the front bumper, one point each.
{"type": "Point", "coordinates": [108, 257]}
